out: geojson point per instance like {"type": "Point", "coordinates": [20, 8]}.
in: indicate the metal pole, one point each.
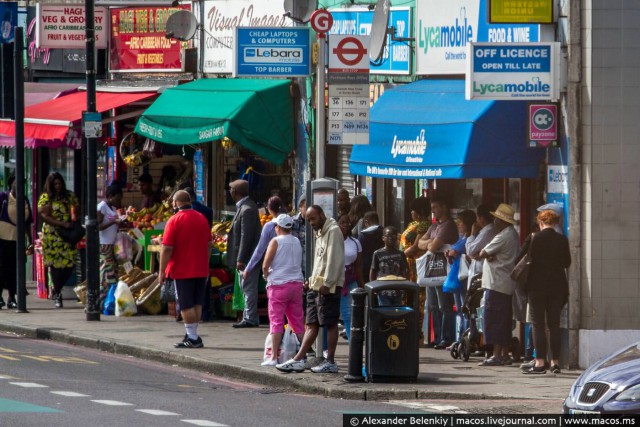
{"type": "Point", "coordinates": [354, 374]}
{"type": "Point", "coordinates": [320, 110]}
{"type": "Point", "coordinates": [93, 278]}
{"type": "Point", "coordinates": [18, 79]}
{"type": "Point", "coordinates": [202, 41]}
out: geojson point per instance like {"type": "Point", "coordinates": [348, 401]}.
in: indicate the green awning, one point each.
{"type": "Point", "coordinates": [257, 114]}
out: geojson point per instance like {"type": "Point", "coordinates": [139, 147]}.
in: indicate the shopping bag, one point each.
{"type": "Point", "coordinates": [268, 349]}
{"type": "Point", "coordinates": [238, 297]}
{"type": "Point", "coordinates": [110, 301]}
{"type": "Point", "coordinates": [167, 291]}
{"type": "Point", "coordinates": [463, 272]}
{"type": "Point", "coordinates": [125, 303]}
{"type": "Point", "coordinates": [432, 269]}
{"type": "Point", "coordinates": [123, 247]}
{"type": "Point", "coordinates": [452, 283]}
{"type": "Point", "coordinates": [289, 345]}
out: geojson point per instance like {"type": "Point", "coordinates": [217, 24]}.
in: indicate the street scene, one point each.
{"type": "Point", "coordinates": [371, 212]}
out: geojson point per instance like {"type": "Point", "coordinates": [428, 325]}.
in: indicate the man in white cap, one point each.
{"type": "Point", "coordinates": [499, 256]}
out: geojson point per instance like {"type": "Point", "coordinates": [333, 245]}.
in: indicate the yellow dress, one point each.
{"type": "Point", "coordinates": [56, 252]}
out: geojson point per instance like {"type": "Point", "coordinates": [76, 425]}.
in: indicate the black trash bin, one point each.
{"type": "Point", "coordinates": [391, 329]}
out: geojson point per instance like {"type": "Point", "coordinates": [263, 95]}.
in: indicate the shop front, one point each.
{"type": "Point", "coordinates": [425, 136]}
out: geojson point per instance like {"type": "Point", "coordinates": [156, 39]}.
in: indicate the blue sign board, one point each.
{"type": "Point", "coordinates": [396, 58]}
{"type": "Point", "coordinates": [512, 59]}
{"type": "Point", "coordinates": [275, 52]}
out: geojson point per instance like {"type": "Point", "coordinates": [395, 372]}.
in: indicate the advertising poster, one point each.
{"type": "Point", "coordinates": [9, 14]}
{"type": "Point", "coordinates": [138, 41]}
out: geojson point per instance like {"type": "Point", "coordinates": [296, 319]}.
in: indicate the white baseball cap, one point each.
{"type": "Point", "coordinates": [284, 221]}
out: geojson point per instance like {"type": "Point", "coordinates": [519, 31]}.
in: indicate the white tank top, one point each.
{"type": "Point", "coordinates": [287, 263]}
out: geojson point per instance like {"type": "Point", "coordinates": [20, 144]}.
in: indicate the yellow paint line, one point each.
{"type": "Point", "coordinates": [8, 357]}
{"type": "Point", "coordinates": [7, 350]}
{"type": "Point", "coordinates": [39, 359]}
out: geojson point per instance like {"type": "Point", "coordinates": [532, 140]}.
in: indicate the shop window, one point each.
{"type": "Point", "coordinates": [61, 160]}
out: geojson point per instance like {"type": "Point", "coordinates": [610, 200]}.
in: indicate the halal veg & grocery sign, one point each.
{"type": "Point", "coordinates": [62, 26]}
{"type": "Point", "coordinates": [508, 71]}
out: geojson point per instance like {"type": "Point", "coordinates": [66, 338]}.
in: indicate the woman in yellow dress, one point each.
{"type": "Point", "coordinates": [55, 207]}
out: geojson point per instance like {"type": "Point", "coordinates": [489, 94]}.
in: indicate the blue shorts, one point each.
{"type": "Point", "coordinates": [190, 292]}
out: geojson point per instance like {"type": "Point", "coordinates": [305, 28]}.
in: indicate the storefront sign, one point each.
{"type": "Point", "coordinates": [444, 30]}
{"type": "Point", "coordinates": [281, 52]}
{"type": "Point", "coordinates": [222, 17]}
{"type": "Point", "coordinates": [396, 58]}
{"type": "Point", "coordinates": [62, 26]}
{"type": "Point", "coordinates": [509, 71]}
{"type": "Point", "coordinates": [514, 11]}
{"type": "Point", "coordinates": [543, 125]}
{"type": "Point", "coordinates": [138, 40]}
{"type": "Point", "coordinates": [348, 80]}
{"type": "Point", "coordinates": [9, 14]}
{"type": "Point", "coordinates": [198, 172]}
{"type": "Point", "coordinates": [558, 179]}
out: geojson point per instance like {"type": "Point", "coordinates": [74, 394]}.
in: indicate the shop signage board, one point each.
{"type": "Point", "coordinates": [138, 41]}
{"type": "Point", "coordinates": [513, 71]}
{"type": "Point", "coordinates": [357, 21]}
{"type": "Point", "coordinates": [274, 52]}
{"type": "Point", "coordinates": [348, 80]}
{"type": "Point", "coordinates": [62, 26]}
{"type": "Point", "coordinates": [444, 30]}
{"type": "Point", "coordinates": [512, 11]}
{"type": "Point", "coordinates": [222, 17]}
{"type": "Point", "coordinates": [558, 179]}
{"type": "Point", "coordinates": [198, 172]}
{"type": "Point", "coordinates": [543, 125]}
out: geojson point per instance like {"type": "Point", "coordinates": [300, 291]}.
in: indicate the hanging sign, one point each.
{"type": "Point", "coordinates": [543, 125]}
{"type": "Point", "coordinates": [62, 26]}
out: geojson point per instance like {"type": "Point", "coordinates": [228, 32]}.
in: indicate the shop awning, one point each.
{"type": "Point", "coordinates": [257, 114]}
{"type": "Point", "coordinates": [427, 129]}
{"type": "Point", "coordinates": [51, 123]}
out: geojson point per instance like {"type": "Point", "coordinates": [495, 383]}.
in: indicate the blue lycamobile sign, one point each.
{"type": "Point", "coordinates": [508, 71]}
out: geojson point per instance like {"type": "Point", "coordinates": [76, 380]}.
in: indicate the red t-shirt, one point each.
{"type": "Point", "coordinates": [189, 234]}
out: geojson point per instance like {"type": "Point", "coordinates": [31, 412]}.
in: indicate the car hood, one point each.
{"type": "Point", "coordinates": [621, 369]}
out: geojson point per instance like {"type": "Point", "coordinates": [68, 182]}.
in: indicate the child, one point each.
{"type": "Point", "coordinates": [389, 261]}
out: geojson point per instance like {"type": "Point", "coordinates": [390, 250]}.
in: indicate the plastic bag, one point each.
{"type": "Point", "coordinates": [238, 297]}
{"type": "Point", "coordinates": [110, 301]}
{"type": "Point", "coordinates": [125, 303]}
{"type": "Point", "coordinates": [268, 349]}
{"type": "Point", "coordinates": [432, 268]}
{"type": "Point", "coordinates": [123, 248]}
{"type": "Point", "coordinates": [288, 346]}
{"type": "Point", "coordinates": [452, 283]}
{"type": "Point", "coordinates": [167, 291]}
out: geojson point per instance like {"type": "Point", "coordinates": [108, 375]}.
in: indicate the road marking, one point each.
{"type": "Point", "coordinates": [204, 423]}
{"type": "Point", "coordinates": [156, 412]}
{"type": "Point", "coordinates": [39, 359]}
{"type": "Point", "coordinates": [30, 385]}
{"type": "Point", "coordinates": [3, 356]}
{"type": "Point", "coordinates": [14, 406]}
{"type": "Point", "coordinates": [7, 350]}
{"type": "Point", "coordinates": [70, 394]}
{"type": "Point", "coordinates": [113, 403]}
{"type": "Point", "coordinates": [6, 377]}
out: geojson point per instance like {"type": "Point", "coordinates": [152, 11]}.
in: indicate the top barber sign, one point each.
{"type": "Point", "coordinates": [62, 26]}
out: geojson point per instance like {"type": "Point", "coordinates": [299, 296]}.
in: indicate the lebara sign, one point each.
{"type": "Point", "coordinates": [444, 30]}
{"type": "Point", "coordinates": [507, 71]}
{"type": "Point", "coordinates": [280, 52]}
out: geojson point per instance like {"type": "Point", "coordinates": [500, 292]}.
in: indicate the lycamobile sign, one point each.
{"type": "Point", "coordinates": [513, 71]}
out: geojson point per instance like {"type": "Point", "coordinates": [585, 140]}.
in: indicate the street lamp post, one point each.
{"type": "Point", "coordinates": [93, 277]}
{"type": "Point", "coordinates": [18, 76]}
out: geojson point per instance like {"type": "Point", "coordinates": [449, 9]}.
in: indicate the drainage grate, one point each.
{"type": "Point", "coordinates": [494, 410]}
{"type": "Point", "coordinates": [269, 391]}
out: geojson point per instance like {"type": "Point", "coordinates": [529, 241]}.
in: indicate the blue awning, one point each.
{"type": "Point", "coordinates": [427, 129]}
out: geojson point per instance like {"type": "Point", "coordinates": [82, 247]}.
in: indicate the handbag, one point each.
{"type": "Point", "coordinates": [432, 269]}
{"type": "Point", "coordinates": [520, 273]}
{"type": "Point", "coordinates": [71, 235]}
{"type": "Point", "coordinates": [167, 292]}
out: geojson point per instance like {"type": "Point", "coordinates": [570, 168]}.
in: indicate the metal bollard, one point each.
{"type": "Point", "coordinates": [356, 341]}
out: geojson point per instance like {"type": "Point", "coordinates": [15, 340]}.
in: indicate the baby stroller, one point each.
{"type": "Point", "coordinates": [471, 340]}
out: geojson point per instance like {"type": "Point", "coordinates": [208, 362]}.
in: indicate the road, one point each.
{"type": "Point", "coordinates": [75, 386]}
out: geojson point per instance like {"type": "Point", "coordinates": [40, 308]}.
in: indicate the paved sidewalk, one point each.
{"type": "Point", "coordinates": [237, 354]}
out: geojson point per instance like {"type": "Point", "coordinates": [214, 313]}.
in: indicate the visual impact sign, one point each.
{"type": "Point", "coordinates": [513, 71]}
{"type": "Point", "coordinates": [275, 52]}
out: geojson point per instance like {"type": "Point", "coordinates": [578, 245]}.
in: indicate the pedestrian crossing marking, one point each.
{"type": "Point", "coordinates": [30, 385]}
{"type": "Point", "coordinates": [69, 394]}
{"type": "Point", "coordinates": [113, 403]}
{"type": "Point", "coordinates": [204, 423]}
{"type": "Point", "coordinates": [156, 412]}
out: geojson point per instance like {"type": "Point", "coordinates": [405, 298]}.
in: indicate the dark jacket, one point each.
{"type": "Point", "coordinates": [204, 210]}
{"type": "Point", "coordinates": [244, 234]}
{"type": "Point", "coordinates": [371, 241]}
{"type": "Point", "coordinates": [550, 257]}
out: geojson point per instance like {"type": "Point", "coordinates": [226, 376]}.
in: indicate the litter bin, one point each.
{"type": "Point", "coordinates": [391, 317]}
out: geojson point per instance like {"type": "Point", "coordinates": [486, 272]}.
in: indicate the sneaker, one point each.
{"type": "Point", "coordinates": [507, 360]}
{"type": "Point", "coordinates": [189, 343]}
{"type": "Point", "coordinates": [528, 365]}
{"type": "Point", "coordinates": [492, 361]}
{"type": "Point", "coordinates": [556, 369]}
{"type": "Point", "coordinates": [269, 362]}
{"type": "Point", "coordinates": [58, 301]}
{"type": "Point", "coordinates": [291, 365]}
{"type": "Point", "coordinates": [536, 370]}
{"type": "Point", "coordinates": [325, 367]}
{"type": "Point", "coordinates": [12, 304]}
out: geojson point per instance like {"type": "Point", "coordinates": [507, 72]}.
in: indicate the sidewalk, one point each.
{"type": "Point", "coordinates": [237, 354]}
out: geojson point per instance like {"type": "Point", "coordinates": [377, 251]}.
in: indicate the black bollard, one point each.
{"type": "Point", "coordinates": [356, 341]}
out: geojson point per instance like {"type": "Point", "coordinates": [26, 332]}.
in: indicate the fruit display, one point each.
{"type": "Point", "coordinates": [145, 219]}
{"type": "Point", "coordinates": [219, 232]}
{"type": "Point", "coordinates": [265, 219]}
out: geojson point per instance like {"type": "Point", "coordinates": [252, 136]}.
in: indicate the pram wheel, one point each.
{"type": "Point", "coordinates": [516, 350]}
{"type": "Point", "coordinates": [465, 348]}
{"type": "Point", "coordinates": [454, 350]}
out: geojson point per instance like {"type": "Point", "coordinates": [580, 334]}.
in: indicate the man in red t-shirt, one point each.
{"type": "Point", "coordinates": [185, 259]}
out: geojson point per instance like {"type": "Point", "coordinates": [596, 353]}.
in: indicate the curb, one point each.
{"type": "Point", "coordinates": [254, 376]}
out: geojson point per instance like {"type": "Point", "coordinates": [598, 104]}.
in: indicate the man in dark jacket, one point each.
{"type": "Point", "coordinates": [242, 240]}
{"type": "Point", "coordinates": [371, 240]}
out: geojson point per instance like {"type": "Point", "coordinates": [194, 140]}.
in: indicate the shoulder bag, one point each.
{"type": "Point", "coordinates": [520, 272]}
{"type": "Point", "coordinates": [71, 235]}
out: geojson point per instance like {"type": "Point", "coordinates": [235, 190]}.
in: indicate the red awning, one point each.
{"type": "Point", "coordinates": [49, 123]}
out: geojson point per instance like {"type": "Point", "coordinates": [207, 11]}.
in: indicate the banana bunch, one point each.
{"type": "Point", "coordinates": [220, 228]}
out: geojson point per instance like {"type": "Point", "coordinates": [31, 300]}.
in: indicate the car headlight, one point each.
{"type": "Point", "coordinates": [630, 394]}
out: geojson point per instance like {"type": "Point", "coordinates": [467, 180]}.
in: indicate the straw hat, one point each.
{"type": "Point", "coordinates": [505, 213]}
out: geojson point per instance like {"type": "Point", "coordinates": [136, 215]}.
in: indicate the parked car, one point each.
{"type": "Point", "coordinates": [610, 386]}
